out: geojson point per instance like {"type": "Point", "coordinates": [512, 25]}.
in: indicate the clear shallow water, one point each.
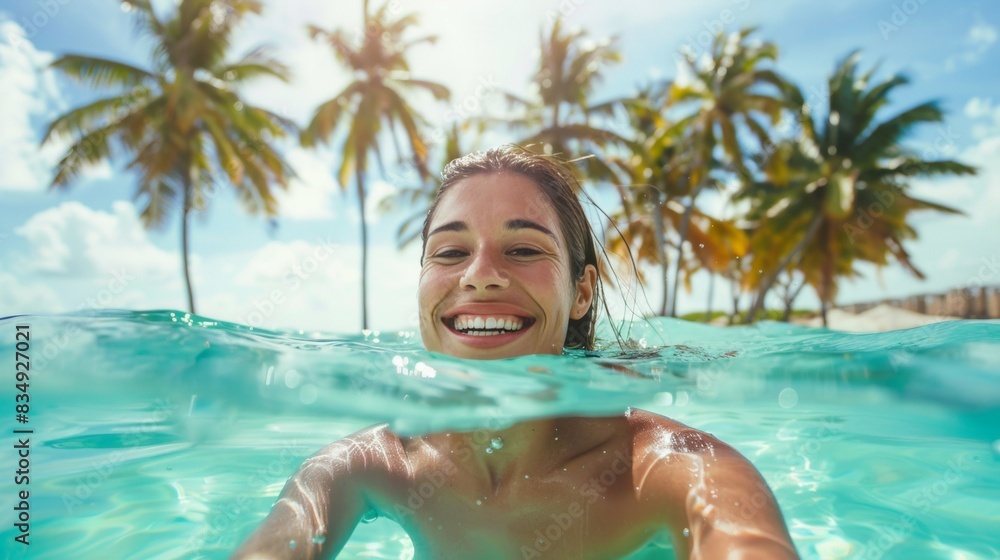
{"type": "Point", "coordinates": [159, 435]}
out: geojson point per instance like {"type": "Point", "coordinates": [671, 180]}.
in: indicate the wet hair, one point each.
{"type": "Point", "coordinates": [560, 188]}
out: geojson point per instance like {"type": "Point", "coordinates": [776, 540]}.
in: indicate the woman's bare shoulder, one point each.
{"type": "Point", "coordinates": [658, 435]}
{"type": "Point", "coordinates": [373, 451]}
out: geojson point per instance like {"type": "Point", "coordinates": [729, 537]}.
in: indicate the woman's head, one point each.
{"type": "Point", "coordinates": [506, 238]}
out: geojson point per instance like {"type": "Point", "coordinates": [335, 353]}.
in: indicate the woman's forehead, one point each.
{"type": "Point", "coordinates": [495, 196]}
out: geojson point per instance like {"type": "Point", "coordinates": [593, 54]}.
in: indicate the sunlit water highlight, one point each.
{"type": "Point", "coordinates": [162, 435]}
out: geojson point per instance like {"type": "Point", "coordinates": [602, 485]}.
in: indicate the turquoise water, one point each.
{"type": "Point", "coordinates": [161, 435]}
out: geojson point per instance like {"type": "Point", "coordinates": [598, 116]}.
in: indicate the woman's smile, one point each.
{"type": "Point", "coordinates": [487, 324]}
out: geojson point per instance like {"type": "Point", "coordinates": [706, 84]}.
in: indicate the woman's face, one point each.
{"type": "Point", "coordinates": [496, 281]}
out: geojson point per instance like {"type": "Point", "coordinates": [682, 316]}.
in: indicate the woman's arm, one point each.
{"type": "Point", "coordinates": [715, 502]}
{"type": "Point", "coordinates": [323, 501]}
{"type": "Point", "coordinates": [731, 513]}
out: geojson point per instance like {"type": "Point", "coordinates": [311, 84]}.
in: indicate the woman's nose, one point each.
{"type": "Point", "coordinates": [484, 273]}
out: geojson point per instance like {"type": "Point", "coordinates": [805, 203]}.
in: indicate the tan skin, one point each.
{"type": "Point", "coordinates": [558, 488]}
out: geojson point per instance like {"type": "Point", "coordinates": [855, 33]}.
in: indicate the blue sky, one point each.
{"type": "Point", "coordinates": [84, 247]}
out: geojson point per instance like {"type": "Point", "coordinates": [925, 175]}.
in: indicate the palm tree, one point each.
{"type": "Point", "coordinates": [179, 122]}
{"type": "Point", "coordinates": [729, 93]}
{"type": "Point", "coordinates": [557, 117]}
{"type": "Point", "coordinates": [716, 242]}
{"type": "Point", "coordinates": [375, 98]}
{"type": "Point", "coordinates": [654, 168]}
{"type": "Point", "coordinates": [839, 193]}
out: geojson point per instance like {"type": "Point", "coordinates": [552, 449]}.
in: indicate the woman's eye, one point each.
{"type": "Point", "coordinates": [525, 252]}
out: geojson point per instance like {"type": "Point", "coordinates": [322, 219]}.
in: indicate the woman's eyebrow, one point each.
{"type": "Point", "coordinates": [450, 226]}
{"type": "Point", "coordinates": [528, 224]}
{"type": "Point", "coordinates": [509, 225]}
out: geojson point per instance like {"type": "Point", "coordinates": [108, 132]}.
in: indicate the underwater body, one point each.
{"type": "Point", "coordinates": [161, 435]}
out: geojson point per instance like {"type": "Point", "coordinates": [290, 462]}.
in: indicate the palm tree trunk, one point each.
{"type": "Point", "coordinates": [736, 300]}
{"type": "Point", "coordinates": [360, 184]}
{"type": "Point", "coordinates": [711, 295]}
{"type": "Point", "coordinates": [185, 214]}
{"type": "Point", "coordinates": [683, 231]}
{"type": "Point", "coordinates": [661, 249]}
{"type": "Point", "coordinates": [790, 300]}
{"type": "Point", "coordinates": [826, 273]}
{"type": "Point", "coordinates": [758, 303]}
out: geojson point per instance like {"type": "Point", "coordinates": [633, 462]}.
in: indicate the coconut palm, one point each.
{"type": "Point", "coordinates": [654, 170]}
{"type": "Point", "coordinates": [179, 122]}
{"type": "Point", "coordinates": [557, 118]}
{"type": "Point", "coordinates": [730, 92]}
{"type": "Point", "coordinates": [840, 193]}
{"type": "Point", "coordinates": [716, 242]}
{"type": "Point", "coordinates": [375, 99]}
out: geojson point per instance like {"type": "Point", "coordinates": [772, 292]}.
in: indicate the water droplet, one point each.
{"type": "Point", "coordinates": [291, 543]}
{"type": "Point", "coordinates": [369, 516]}
{"type": "Point", "coordinates": [687, 532]}
{"type": "Point", "coordinates": [525, 476]}
{"type": "Point", "coordinates": [479, 502]}
{"type": "Point", "coordinates": [489, 450]}
{"type": "Point", "coordinates": [319, 539]}
{"type": "Point", "coordinates": [496, 443]}
{"type": "Point", "coordinates": [701, 245]}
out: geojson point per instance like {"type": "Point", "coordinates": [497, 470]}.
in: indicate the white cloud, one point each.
{"type": "Point", "coordinates": [980, 38]}
{"type": "Point", "coordinates": [29, 92]}
{"type": "Point", "coordinates": [17, 296]}
{"type": "Point", "coordinates": [309, 195]}
{"type": "Point", "coordinates": [74, 240]}
{"type": "Point", "coordinates": [989, 115]}
{"type": "Point", "coordinates": [982, 35]}
{"type": "Point", "coordinates": [977, 107]}
{"type": "Point", "coordinates": [317, 285]}
{"type": "Point", "coordinates": [73, 257]}
{"type": "Point", "coordinates": [31, 98]}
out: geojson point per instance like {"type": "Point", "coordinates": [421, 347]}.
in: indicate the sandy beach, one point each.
{"type": "Point", "coordinates": [880, 318]}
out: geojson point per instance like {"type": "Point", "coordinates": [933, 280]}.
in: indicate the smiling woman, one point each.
{"type": "Point", "coordinates": [509, 269]}
{"type": "Point", "coordinates": [507, 240]}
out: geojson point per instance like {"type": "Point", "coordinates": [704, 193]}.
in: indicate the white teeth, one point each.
{"type": "Point", "coordinates": [486, 326]}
